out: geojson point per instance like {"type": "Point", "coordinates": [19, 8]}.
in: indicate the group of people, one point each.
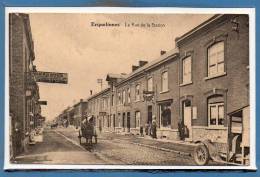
{"type": "Point", "coordinates": [150, 129]}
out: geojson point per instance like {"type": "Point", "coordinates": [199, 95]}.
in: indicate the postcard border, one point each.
{"type": "Point", "coordinates": [252, 55]}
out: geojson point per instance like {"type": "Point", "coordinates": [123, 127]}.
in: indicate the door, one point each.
{"type": "Point", "coordinates": [150, 114]}
{"type": "Point", "coordinates": [187, 116]}
{"type": "Point", "coordinates": [123, 121]}
{"type": "Point", "coordinates": [100, 124]}
{"type": "Point", "coordinates": [114, 121]}
{"type": "Point", "coordinates": [128, 122]}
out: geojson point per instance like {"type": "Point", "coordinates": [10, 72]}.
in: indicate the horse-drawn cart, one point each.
{"type": "Point", "coordinates": [87, 131]}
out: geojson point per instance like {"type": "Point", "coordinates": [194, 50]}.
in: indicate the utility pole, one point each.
{"type": "Point", "coordinates": [99, 81]}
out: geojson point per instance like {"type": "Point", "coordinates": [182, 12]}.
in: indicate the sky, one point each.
{"type": "Point", "coordinates": [69, 43]}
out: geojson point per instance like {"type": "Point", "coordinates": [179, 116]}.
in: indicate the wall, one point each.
{"type": "Point", "coordinates": [234, 82]}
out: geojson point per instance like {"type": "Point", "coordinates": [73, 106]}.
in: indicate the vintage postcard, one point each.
{"type": "Point", "coordinates": [130, 88]}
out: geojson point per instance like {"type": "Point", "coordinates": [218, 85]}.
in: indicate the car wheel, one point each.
{"type": "Point", "coordinates": [201, 155]}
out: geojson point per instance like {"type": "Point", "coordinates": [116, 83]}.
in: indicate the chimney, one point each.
{"type": "Point", "coordinates": [134, 68]}
{"type": "Point", "coordinates": [142, 63]}
{"type": "Point", "coordinates": [90, 92]}
{"type": "Point", "coordinates": [163, 52]}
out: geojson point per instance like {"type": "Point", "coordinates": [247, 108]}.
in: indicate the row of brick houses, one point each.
{"type": "Point", "coordinates": [195, 85]}
{"type": "Point", "coordinates": [25, 110]}
{"type": "Point", "coordinates": [73, 115]}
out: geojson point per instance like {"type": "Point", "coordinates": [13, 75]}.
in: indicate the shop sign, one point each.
{"type": "Point", "coordinates": [42, 102]}
{"type": "Point", "coordinates": [148, 95]}
{"type": "Point", "coordinates": [51, 77]}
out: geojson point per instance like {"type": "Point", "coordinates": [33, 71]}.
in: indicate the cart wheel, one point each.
{"type": "Point", "coordinates": [201, 155]}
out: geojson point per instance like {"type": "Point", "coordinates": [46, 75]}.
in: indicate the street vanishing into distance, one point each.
{"type": "Point", "coordinates": [61, 146]}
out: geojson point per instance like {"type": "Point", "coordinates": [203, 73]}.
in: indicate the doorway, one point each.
{"type": "Point", "coordinates": [150, 115]}
{"type": "Point", "coordinates": [128, 122]}
{"type": "Point", "coordinates": [187, 118]}
{"type": "Point", "coordinates": [114, 121]}
{"type": "Point", "coordinates": [123, 121]}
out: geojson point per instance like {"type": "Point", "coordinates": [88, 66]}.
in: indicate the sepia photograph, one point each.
{"type": "Point", "coordinates": [136, 89]}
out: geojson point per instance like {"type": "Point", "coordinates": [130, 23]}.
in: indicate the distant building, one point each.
{"type": "Point", "coordinates": [23, 88]}
{"type": "Point", "coordinates": [73, 115]}
{"type": "Point", "coordinates": [80, 111]}
{"type": "Point", "coordinates": [99, 107]}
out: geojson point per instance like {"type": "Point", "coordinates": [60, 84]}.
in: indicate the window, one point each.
{"type": "Point", "coordinates": [137, 119]}
{"type": "Point", "coordinates": [150, 84]}
{"type": "Point", "coordinates": [108, 101]}
{"type": "Point", "coordinates": [112, 100]}
{"type": "Point", "coordinates": [164, 81]}
{"type": "Point", "coordinates": [165, 115]}
{"type": "Point", "coordinates": [216, 114]}
{"type": "Point", "coordinates": [137, 92]}
{"type": "Point", "coordinates": [119, 98]}
{"type": "Point", "coordinates": [105, 103]}
{"type": "Point", "coordinates": [216, 59]}
{"type": "Point", "coordinates": [119, 119]}
{"type": "Point", "coordinates": [124, 97]}
{"type": "Point", "coordinates": [128, 95]}
{"type": "Point", "coordinates": [186, 70]}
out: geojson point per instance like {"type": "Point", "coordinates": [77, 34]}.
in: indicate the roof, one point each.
{"type": "Point", "coordinates": [163, 58]}
{"type": "Point", "coordinates": [237, 110]}
{"type": "Point", "coordinates": [199, 27]}
{"type": "Point", "coordinates": [99, 93]}
{"type": "Point", "coordinates": [81, 101]}
{"type": "Point", "coordinates": [115, 76]}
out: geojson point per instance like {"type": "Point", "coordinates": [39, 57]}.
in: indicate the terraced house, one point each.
{"type": "Point", "coordinates": [25, 110]}
{"type": "Point", "coordinates": [214, 76]}
{"type": "Point", "coordinates": [191, 91]}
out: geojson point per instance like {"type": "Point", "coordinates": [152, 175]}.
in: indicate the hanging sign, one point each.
{"type": "Point", "coordinates": [42, 102]}
{"type": "Point", "coordinates": [51, 77]}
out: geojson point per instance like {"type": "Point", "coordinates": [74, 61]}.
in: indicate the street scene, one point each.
{"type": "Point", "coordinates": [129, 89]}
{"type": "Point", "coordinates": [62, 146]}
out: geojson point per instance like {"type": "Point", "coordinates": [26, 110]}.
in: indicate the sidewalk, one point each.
{"type": "Point", "coordinates": [180, 147]}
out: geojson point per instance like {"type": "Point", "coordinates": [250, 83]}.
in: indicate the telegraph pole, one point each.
{"type": "Point", "coordinates": [100, 82]}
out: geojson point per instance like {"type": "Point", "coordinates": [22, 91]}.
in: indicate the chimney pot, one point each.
{"type": "Point", "coordinates": [134, 68]}
{"type": "Point", "coordinates": [163, 52]}
{"type": "Point", "coordinates": [142, 63]}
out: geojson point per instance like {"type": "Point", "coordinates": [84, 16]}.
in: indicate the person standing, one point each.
{"type": "Point", "coordinates": [154, 128]}
{"type": "Point", "coordinates": [141, 131]}
{"type": "Point", "coordinates": [150, 129]}
{"type": "Point", "coordinates": [146, 128]}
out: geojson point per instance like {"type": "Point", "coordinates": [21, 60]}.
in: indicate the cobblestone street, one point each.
{"type": "Point", "coordinates": [111, 149]}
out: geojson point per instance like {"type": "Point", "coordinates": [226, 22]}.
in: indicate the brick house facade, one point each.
{"type": "Point", "coordinates": [195, 86]}
{"type": "Point", "coordinates": [218, 51]}
{"type": "Point", "coordinates": [23, 89]}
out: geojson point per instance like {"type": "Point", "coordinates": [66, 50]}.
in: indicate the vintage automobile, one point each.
{"type": "Point", "coordinates": [87, 130]}
{"type": "Point", "coordinates": [236, 150]}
